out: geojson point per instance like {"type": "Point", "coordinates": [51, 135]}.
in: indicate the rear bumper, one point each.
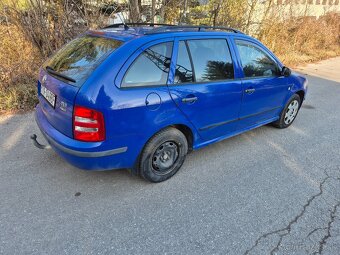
{"type": "Point", "coordinates": [85, 155]}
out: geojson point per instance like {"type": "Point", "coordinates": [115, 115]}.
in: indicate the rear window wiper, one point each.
{"type": "Point", "coordinates": [53, 72]}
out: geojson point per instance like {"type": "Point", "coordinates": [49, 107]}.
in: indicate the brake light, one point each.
{"type": "Point", "coordinates": [88, 125]}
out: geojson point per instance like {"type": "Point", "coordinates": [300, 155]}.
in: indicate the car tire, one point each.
{"type": "Point", "coordinates": [163, 155]}
{"type": "Point", "coordinates": [289, 112]}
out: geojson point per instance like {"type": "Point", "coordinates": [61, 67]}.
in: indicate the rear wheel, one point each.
{"type": "Point", "coordinates": [163, 155]}
{"type": "Point", "coordinates": [289, 113]}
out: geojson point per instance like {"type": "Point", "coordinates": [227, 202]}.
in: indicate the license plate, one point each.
{"type": "Point", "coordinates": [48, 95]}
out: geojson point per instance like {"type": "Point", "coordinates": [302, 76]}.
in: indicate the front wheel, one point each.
{"type": "Point", "coordinates": [289, 113]}
{"type": "Point", "coordinates": [163, 155]}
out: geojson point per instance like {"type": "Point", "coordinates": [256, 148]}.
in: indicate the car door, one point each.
{"type": "Point", "coordinates": [264, 88]}
{"type": "Point", "coordinates": [204, 87]}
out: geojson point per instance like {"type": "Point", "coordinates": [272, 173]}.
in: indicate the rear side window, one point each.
{"type": "Point", "coordinates": [80, 57]}
{"type": "Point", "coordinates": [150, 68]}
{"type": "Point", "coordinates": [183, 67]}
{"type": "Point", "coordinates": [211, 59]}
{"type": "Point", "coordinates": [255, 62]}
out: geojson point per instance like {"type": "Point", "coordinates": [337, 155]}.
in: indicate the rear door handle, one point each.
{"type": "Point", "coordinates": [250, 91]}
{"type": "Point", "coordinates": [189, 99]}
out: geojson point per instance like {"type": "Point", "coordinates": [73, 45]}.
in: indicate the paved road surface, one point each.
{"type": "Point", "coordinates": [329, 69]}
{"type": "Point", "coordinates": [266, 191]}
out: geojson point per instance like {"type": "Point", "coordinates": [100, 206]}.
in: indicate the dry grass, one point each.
{"type": "Point", "coordinates": [303, 40]}
{"type": "Point", "coordinates": [18, 98]}
{"type": "Point", "coordinates": [31, 30]}
{"type": "Point", "coordinates": [19, 64]}
{"type": "Point", "coordinates": [295, 58]}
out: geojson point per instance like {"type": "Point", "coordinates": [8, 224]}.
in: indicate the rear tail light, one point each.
{"type": "Point", "coordinates": [88, 125]}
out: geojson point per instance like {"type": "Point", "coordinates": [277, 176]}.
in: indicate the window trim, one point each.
{"type": "Point", "coordinates": [179, 39]}
{"type": "Point", "coordinates": [139, 53]}
{"type": "Point", "coordinates": [190, 60]}
{"type": "Point", "coordinates": [262, 49]}
{"type": "Point", "coordinates": [205, 82]}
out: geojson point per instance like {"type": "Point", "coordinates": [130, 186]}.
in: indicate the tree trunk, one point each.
{"type": "Point", "coordinates": [153, 10]}
{"type": "Point", "coordinates": [217, 10]}
{"type": "Point", "coordinates": [250, 14]}
{"type": "Point", "coordinates": [134, 11]}
{"type": "Point", "coordinates": [264, 19]}
{"type": "Point", "coordinates": [182, 17]}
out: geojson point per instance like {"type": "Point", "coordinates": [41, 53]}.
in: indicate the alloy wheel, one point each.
{"type": "Point", "coordinates": [291, 112]}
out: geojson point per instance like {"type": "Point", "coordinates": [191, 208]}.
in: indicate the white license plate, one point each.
{"type": "Point", "coordinates": [48, 95]}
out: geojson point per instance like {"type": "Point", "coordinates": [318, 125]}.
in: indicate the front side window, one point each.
{"type": "Point", "coordinates": [211, 59]}
{"type": "Point", "coordinates": [255, 62]}
{"type": "Point", "coordinates": [150, 68]}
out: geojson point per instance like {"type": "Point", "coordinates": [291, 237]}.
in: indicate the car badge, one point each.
{"type": "Point", "coordinates": [63, 106]}
{"type": "Point", "coordinates": [44, 78]}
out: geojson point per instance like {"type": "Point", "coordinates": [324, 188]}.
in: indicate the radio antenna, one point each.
{"type": "Point", "coordinates": [121, 17]}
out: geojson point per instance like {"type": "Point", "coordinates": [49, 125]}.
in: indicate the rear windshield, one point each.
{"type": "Point", "coordinates": [80, 57]}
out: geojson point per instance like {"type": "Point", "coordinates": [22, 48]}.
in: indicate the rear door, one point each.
{"type": "Point", "coordinates": [264, 88]}
{"type": "Point", "coordinates": [64, 73]}
{"type": "Point", "coordinates": [204, 87]}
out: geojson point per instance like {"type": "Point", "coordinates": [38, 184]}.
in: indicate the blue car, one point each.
{"type": "Point", "coordinates": [141, 96]}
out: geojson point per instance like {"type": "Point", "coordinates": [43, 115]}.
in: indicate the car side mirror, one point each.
{"type": "Point", "coordinates": [286, 71]}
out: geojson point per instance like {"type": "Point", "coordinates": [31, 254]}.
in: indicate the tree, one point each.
{"type": "Point", "coordinates": [134, 7]}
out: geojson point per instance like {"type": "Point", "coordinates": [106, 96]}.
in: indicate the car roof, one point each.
{"type": "Point", "coordinates": [127, 32]}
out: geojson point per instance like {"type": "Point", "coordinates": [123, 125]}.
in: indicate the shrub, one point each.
{"type": "Point", "coordinates": [19, 63]}
{"type": "Point", "coordinates": [304, 39]}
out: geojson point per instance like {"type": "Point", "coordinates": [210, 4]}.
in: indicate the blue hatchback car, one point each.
{"type": "Point", "coordinates": [141, 97]}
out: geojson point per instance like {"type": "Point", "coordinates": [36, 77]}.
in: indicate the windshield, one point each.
{"type": "Point", "coordinates": [78, 58]}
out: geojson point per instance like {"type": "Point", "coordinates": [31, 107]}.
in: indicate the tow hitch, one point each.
{"type": "Point", "coordinates": [37, 144]}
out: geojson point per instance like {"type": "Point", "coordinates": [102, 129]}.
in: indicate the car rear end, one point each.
{"type": "Point", "coordinates": [76, 132]}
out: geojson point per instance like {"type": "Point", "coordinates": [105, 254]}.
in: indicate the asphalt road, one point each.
{"type": "Point", "coordinates": [265, 191]}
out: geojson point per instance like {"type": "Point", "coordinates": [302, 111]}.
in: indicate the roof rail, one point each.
{"type": "Point", "coordinates": [198, 28]}
{"type": "Point", "coordinates": [162, 28]}
{"type": "Point", "coordinates": [128, 25]}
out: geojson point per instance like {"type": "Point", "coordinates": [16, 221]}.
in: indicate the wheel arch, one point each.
{"type": "Point", "coordinates": [185, 129]}
{"type": "Point", "coordinates": [187, 132]}
{"type": "Point", "coordinates": [301, 94]}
